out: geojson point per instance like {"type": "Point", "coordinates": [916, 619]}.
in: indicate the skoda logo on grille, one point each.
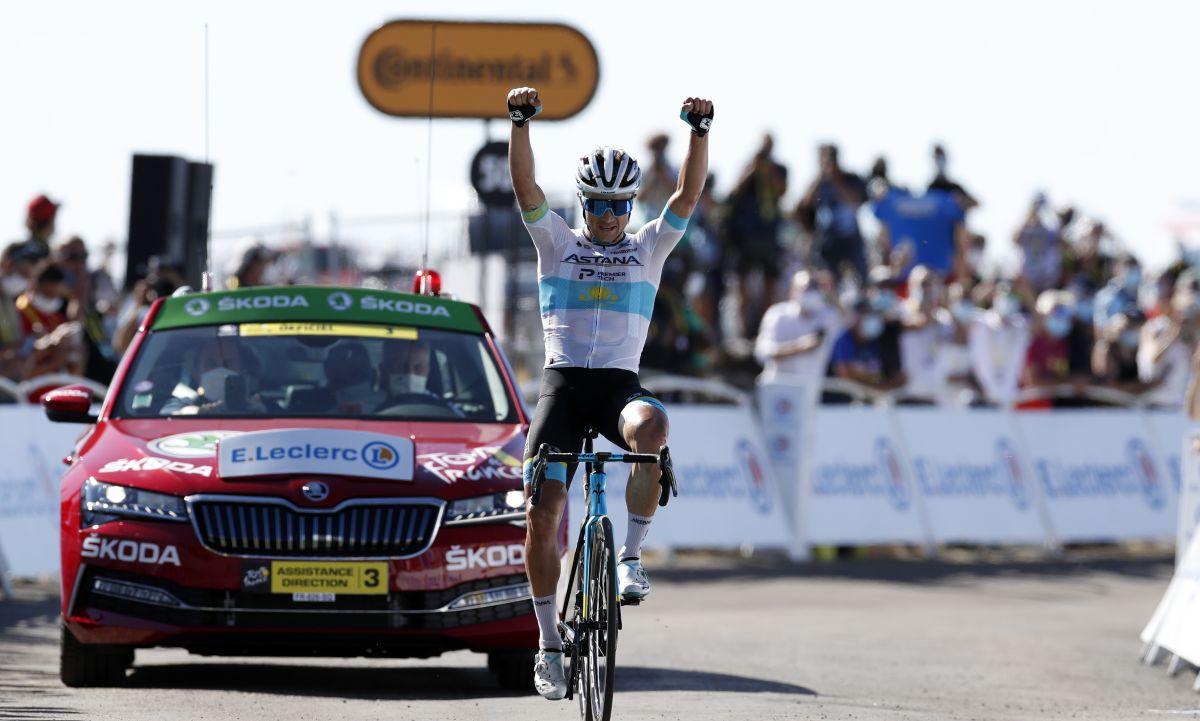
{"type": "Point", "coordinates": [315, 491]}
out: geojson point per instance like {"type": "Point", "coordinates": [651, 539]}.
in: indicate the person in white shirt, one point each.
{"type": "Point", "coordinates": [796, 335]}
{"type": "Point", "coordinates": [928, 330]}
{"type": "Point", "coordinates": [1163, 356]}
{"type": "Point", "coordinates": [997, 343]}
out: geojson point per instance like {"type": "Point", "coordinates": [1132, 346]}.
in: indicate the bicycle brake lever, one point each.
{"type": "Point", "coordinates": [539, 475]}
{"type": "Point", "coordinates": [667, 479]}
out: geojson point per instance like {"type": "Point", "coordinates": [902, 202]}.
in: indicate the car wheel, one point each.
{"type": "Point", "coordinates": [513, 669]}
{"type": "Point", "coordinates": [83, 664]}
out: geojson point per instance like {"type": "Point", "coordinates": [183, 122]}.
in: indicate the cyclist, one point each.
{"type": "Point", "coordinates": [597, 286]}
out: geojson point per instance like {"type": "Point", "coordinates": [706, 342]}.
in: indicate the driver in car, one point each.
{"type": "Point", "coordinates": [222, 380]}
{"type": "Point", "coordinates": [404, 373]}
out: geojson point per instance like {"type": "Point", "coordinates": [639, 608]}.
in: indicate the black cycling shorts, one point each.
{"type": "Point", "coordinates": [573, 398]}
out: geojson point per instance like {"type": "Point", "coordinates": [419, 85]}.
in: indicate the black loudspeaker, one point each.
{"type": "Point", "coordinates": [169, 204]}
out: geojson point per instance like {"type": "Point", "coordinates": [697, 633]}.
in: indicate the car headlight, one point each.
{"type": "Point", "coordinates": [492, 508]}
{"type": "Point", "coordinates": [104, 502]}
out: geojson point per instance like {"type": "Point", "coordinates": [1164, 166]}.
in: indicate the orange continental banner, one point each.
{"type": "Point", "coordinates": [473, 66]}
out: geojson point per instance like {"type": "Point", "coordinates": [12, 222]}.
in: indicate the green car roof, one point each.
{"type": "Point", "coordinates": [316, 303]}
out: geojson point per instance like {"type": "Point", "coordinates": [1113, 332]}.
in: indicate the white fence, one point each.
{"type": "Point", "coordinates": [779, 470]}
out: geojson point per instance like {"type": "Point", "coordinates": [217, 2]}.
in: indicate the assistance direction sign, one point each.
{"type": "Point", "coordinates": [473, 65]}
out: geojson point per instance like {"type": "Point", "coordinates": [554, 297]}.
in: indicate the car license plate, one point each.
{"type": "Point", "coordinates": [362, 578]}
{"type": "Point", "coordinates": [322, 597]}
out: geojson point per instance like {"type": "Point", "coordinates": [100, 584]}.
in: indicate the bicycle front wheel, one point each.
{"type": "Point", "coordinates": [602, 607]}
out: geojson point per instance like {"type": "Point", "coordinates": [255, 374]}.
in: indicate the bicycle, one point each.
{"type": "Point", "coordinates": [590, 631]}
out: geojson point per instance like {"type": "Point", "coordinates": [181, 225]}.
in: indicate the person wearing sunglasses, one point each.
{"type": "Point", "coordinates": [597, 286]}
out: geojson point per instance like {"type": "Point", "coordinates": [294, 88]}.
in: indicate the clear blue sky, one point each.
{"type": "Point", "coordinates": [1095, 102]}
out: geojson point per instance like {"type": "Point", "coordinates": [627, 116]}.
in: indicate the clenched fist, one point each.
{"type": "Point", "coordinates": [698, 113]}
{"type": "Point", "coordinates": [523, 104]}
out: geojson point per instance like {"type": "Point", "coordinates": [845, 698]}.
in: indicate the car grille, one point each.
{"type": "Point", "coordinates": [355, 529]}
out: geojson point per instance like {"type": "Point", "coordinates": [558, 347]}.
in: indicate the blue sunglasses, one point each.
{"type": "Point", "coordinates": [596, 206]}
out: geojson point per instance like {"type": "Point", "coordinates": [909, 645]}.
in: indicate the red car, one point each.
{"type": "Point", "coordinates": [298, 471]}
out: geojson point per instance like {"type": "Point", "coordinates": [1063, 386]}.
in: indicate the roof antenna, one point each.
{"type": "Point", "coordinates": [429, 154]}
{"type": "Point", "coordinates": [206, 278]}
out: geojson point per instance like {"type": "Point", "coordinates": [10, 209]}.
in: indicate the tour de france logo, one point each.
{"type": "Point", "coordinates": [196, 306]}
{"type": "Point", "coordinates": [340, 301]}
{"type": "Point", "coordinates": [380, 456]}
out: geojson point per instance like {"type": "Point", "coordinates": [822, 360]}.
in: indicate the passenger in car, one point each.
{"type": "Point", "coordinates": [223, 379]}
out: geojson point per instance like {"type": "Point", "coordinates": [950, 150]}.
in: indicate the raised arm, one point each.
{"type": "Point", "coordinates": [696, 112]}
{"type": "Point", "coordinates": [520, 152]}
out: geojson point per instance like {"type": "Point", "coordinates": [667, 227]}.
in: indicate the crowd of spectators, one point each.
{"type": "Point", "coordinates": [905, 306]}
{"type": "Point", "coordinates": [914, 311]}
{"type": "Point", "coordinates": [61, 311]}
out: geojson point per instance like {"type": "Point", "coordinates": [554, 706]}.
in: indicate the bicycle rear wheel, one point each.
{"type": "Point", "coordinates": [599, 653]}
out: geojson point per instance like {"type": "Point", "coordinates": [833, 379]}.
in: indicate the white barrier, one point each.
{"type": "Point", "coordinates": [816, 475]}
{"type": "Point", "coordinates": [1098, 475]}
{"type": "Point", "coordinates": [727, 494]}
{"type": "Point", "coordinates": [32, 448]}
{"type": "Point", "coordinates": [887, 474]}
{"type": "Point", "coordinates": [967, 466]}
{"type": "Point", "coordinates": [856, 486]}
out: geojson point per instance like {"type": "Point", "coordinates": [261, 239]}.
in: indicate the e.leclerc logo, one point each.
{"type": "Point", "coordinates": [880, 475]}
{"type": "Point", "coordinates": [380, 456]}
{"type": "Point", "coordinates": [1104, 477]}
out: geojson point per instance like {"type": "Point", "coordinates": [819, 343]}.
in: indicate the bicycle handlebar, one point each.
{"type": "Point", "coordinates": [601, 457]}
{"type": "Point", "coordinates": [662, 460]}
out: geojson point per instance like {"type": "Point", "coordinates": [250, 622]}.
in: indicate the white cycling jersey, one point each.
{"type": "Point", "coordinates": [597, 300]}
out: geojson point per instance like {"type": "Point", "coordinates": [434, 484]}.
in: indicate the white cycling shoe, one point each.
{"type": "Point", "coordinates": [632, 583]}
{"type": "Point", "coordinates": [549, 678]}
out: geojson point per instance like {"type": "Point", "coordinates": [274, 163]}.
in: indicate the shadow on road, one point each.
{"type": "Point", "coordinates": [32, 606]}
{"type": "Point", "coordinates": [915, 572]}
{"type": "Point", "coordinates": [418, 683]}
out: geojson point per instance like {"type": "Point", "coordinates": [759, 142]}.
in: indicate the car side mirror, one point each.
{"type": "Point", "coordinates": [69, 404]}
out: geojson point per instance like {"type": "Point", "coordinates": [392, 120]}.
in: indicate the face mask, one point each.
{"type": "Point", "coordinates": [1008, 306]}
{"type": "Point", "coordinates": [13, 285]}
{"type": "Point", "coordinates": [212, 383]}
{"type": "Point", "coordinates": [974, 258]}
{"type": "Point", "coordinates": [1129, 338]}
{"type": "Point", "coordinates": [884, 301]}
{"type": "Point", "coordinates": [45, 303]}
{"type": "Point", "coordinates": [1058, 326]}
{"type": "Point", "coordinates": [964, 311]}
{"type": "Point", "coordinates": [940, 163]}
{"type": "Point", "coordinates": [811, 302]}
{"type": "Point", "coordinates": [1085, 309]}
{"type": "Point", "coordinates": [872, 326]}
{"type": "Point", "coordinates": [407, 383]}
{"type": "Point", "coordinates": [1133, 279]}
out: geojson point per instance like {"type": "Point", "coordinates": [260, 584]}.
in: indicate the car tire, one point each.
{"type": "Point", "coordinates": [513, 669]}
{"type": "Point", "coordinates": [85, 664]}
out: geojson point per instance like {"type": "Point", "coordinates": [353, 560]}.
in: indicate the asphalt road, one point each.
{"type": "Point", "coordinates": [751, 640]}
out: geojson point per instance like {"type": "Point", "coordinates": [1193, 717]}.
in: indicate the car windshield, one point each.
{"type": "Point", "coordinates": [321, 370]}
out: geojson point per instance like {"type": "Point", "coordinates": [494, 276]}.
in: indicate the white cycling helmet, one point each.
{"type": "Point", "coordinates": [608, 172]}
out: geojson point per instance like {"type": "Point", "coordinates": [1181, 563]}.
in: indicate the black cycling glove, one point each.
{"type": "Point", "coordinates": [700, 124]}
{"type": "Point", "coordinates": [522, 114]}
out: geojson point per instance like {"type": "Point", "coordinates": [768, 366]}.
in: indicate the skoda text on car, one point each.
{"type": "Point", "coordinates": [298, 471]}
